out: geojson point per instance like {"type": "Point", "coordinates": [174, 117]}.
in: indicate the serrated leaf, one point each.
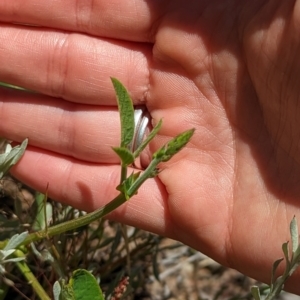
{"type": "Point", "coordinates": [255, 292]}
{"type": "Point", "coordinates": [16, 240]}
{"type": "Point", "coordinates": [125, 155]}
{"type": "Point", "coordinates": [149, 138]}
{"type": "Point", "coordinates": [294, 234]}
{"type": "Point", "coordinates": [126, 111]}
{"type": "Point", "coordinates": [173, 146]}
{"type": "Point", "coordinates": [11, 157]}
{"type": "Point", "coordinates": [85, 286]}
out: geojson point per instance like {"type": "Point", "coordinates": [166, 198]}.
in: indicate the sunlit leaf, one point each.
{"type": "Point", "coordinates": [173, 146]}
{"type": "Point", "coordinates": [255, 292]}
{"type": "Point", "coordinates": [125, 155]}
{"type": "Point", "coordinates": [44, 212]}
{"type": "Point", "coordinates": [85, 286]}
{"type": "Point", "coordinates": [11, 157]}
{"type": "Point", "coordinates": [294, 234]}
{"type": "Point", "coordinates": [274, 268]}
{"type": "Point", "coordinates": [285, 250]}
{"type": "Point", "coordinates": [16, 240]}
{"type": "Point", "coordinates": [126, 112]}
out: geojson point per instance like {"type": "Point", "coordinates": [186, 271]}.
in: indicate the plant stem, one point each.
{"type": "Point", "coordinates": [123, 173]}
{"type": "Point", "coordinates": [99, 213]}
{"type": "Point", "coordinates": [24, 269]}
{"type": "Point", "coordinates": [76, 223]}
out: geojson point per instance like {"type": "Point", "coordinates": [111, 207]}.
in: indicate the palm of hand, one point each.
{"type": "Point", "coordinates": [232, 192]}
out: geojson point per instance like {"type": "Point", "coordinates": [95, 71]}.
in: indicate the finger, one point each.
{"type": "Point", "coordinates": [81, 131]}
{"type": "Point", "coordinates": [72, 66]}
{"type": "Point", "coordinates": [88, 187]}
{"type": "Point", "coordinates": [129, 20]}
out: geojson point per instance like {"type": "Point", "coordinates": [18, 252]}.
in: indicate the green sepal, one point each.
{"type": "Point", "coordinates": [126, 111]}
{"type": "Point", "coordinates": [174, 146]}
{"type": "Point", "coordinates": [149, 138]}
{"type": "Point", "coordinates": [125, 155]}
{"type": "Point", "coordinates": [127, 183]}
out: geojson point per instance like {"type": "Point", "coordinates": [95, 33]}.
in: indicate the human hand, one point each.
{"type": "Point", "coordinates": [228, 70]}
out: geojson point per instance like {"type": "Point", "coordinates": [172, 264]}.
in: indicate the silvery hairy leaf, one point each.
{"type": "Point", "coordinates": [11, 157]}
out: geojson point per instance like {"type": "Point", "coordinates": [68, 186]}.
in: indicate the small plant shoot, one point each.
{"type": "Point", "coordinates": [82, 283]}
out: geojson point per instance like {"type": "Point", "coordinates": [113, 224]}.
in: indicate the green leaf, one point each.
{"type": "Point", "coordinates": [149, 138]}
{"type": "Point", "coordinates": [294, 234]}
{"type": "Point", "coordinates": [297, 254]}
{"type": "Point", "coordinates": [82, 286]}
{"type": "Point", "coordinates": [11, 86]}
{"type": "Point", "coordinates": [155, 263]}
{"type": "Point", "coordinates": [56, 290]}
{"type": "Point", "coordinates": [255, 292]}
{"type": "Point", "coordinates": [44, 212]}
{"type": "Point", "coordinates": [16, 240]}
{"type": "Point", "coordinates": [125, 155]}
{"type": "Point", "coordinates": [285, 250]}
{"type": "Point", "coordinates": [274, 268]}
{"type": "Point", "coordinates": [174, 146]}
{"type": "Point", "coordinates": [67, 292]}
{"type": "Point", "coordinates": [11, 157]}
{"type": "Point", "coordinates": [85, 286]}
{"type": "Point", "coordinates": [126, 113]}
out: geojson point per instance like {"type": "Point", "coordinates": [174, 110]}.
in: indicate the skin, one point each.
{"type": "Point", "coordinates": [229, 69]}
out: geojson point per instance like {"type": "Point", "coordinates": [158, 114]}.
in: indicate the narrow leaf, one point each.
{"type": "Point", "coordinates": [16, 240]}
{"type": "Point", "coordinates": [7, 85]}
{"type": "Point", "coordinates": [6, 252]}
{"type": "Point", "coordinates": [14, 259]}
{"type": "Point", "coordinates": [126, 113]}
{"type": "Point", "coordinates": [149, 138]}
{"type": "Point", "coordinates": [296, 256]}
{"type": "Point", "coordinates": [44, 212]}
{"type": "Point", "coordinates": [125, 155]}
{"type": "Point", "coordinates": [285, 250]}
{"type": "Point", "coordinates": [293, 268]}
{"type": "Point", "coordinates": [10, 158]}
{"type": "Point", "coordinates": [174, 146]}
{"type": "Point", "coordinates": [274, 268]}
{"type": "Point", "coordinates": [255, 292]}
{"type": "Point", "coordinates": [56, 290]}
{"type": "Point", "coordinates": [294, 234]}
